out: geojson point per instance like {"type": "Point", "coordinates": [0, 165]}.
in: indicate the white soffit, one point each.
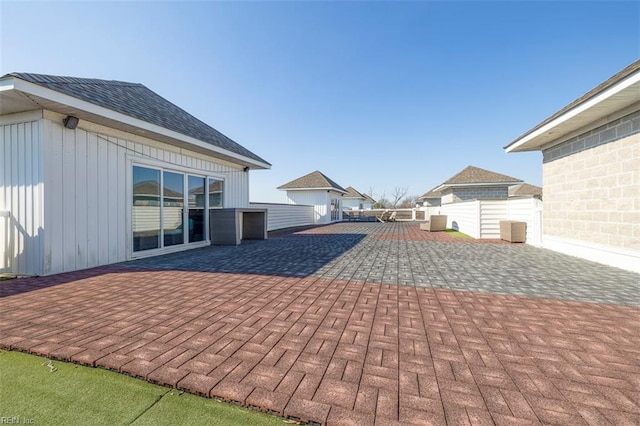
{"type": "Point", "coordinates": [617, 97]}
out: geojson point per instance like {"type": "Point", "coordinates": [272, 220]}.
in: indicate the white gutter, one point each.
{"type": "Point", "coordinates": [613, 90]}
{"type": "Point", "coordinates": [54, 96]}
{"type": "Point", "coordinates": [328, 188]}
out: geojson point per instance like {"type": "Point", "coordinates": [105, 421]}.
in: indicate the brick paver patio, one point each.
{"type": "Point", "coordinates": [355, 324]}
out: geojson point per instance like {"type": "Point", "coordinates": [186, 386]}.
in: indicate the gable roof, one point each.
{"type": "Point", "coordinates": [314, 180]}
{"type": "Point", "coordinates": [616, 93]}
{"type": "Point", "coordinates": [432, 193]}
{"type": "Point", "coordinates": [472, 175]}
{"type": "Point", "coordinates": [368, 198]}
{"type": "Point", "coordinates": [353, 193]}
{"type": "Point", "coordinates": [525, 189]}
{"type": "Point", "coordinates": [136, 101]}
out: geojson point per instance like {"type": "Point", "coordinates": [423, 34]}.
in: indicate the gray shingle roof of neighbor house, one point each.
{"type": "Point", "coordinates": [137, 101]}
{"type": "Point", "coordinates": [368, 197]}
{"type": "Point", "coordinates": [432, 193]}
{"type": "Point", "coordinates": [616, 101]}
{"type": "Point", "coordinates": [353, 193]}
{"type": "Point", "coordinates": [476, 175]}
{"type": "Point", "coordinates": [314, 180]}
{"type": "Point", "coordinates": [525, 189]}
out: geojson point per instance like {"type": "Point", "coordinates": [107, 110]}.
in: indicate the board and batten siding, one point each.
{"type": "Point", "coordinates": [281, 216]}
{"type": "Point", "coordinates": [21, 189]}
{"type": "Point", "coordinates": [87, 190]}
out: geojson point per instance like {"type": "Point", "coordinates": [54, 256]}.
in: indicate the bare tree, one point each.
{"type": "Point", "coordinates": [381, 202]}
{"type": "Point", "coordinates": [398, 194]}
{"type": "Point", "coordinates": [409, 201]}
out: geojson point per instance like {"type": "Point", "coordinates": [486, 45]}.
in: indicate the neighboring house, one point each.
{"type": "Point", "coordinates": [432, 198]}
{"type": "Point", "coordinates": [355, 200]}
{"type": "Point", "coordinates": [474, 183]}
{"type": "Point", "coordinates": [525, 190]}
{"type": "Point", "coordinates": [94, 172]}
{"type": "Point", "coordinates": [316, 189]}
{"type": "Point", "coordinates": [369, 202]}
{"type": "Point", "coordinates": [591, 172]}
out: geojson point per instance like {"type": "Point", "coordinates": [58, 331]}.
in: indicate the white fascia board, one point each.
{"type": "Point", "coordinates": [7, 84]}
{"type": "Point", "coordinates": [629, 81]}
{"type": "Point", "coordinates": [52, 95]}
{"type": "Point", "coordinates": [327, 188]}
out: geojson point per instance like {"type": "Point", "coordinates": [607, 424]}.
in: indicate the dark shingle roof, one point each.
{"type": "Point", "coordinates": [525, 189]}
{"type": "Point", "coordinates": [353, 193]}
{"type": "Point", "coordinates": [312, 180]}
{"type": "Point", "coordinates": [368, 197]}
{"type": "Point", "coordinates": [137, 101]}
{"type": "Point", "coordinates": [477, 175]}
{"type": "Point", "coordinates": [432, 193]}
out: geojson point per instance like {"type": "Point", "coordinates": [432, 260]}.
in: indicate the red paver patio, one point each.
{"type": "Point", "coordinates": [339, 352]}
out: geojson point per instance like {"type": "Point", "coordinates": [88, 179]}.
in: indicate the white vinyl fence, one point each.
{"type": "Point", "coordinates": [280, 216]}
{"type": "Point", "coordinates": [481, 218]}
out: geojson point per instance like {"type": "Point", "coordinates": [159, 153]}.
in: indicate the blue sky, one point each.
{"type": "Point", "coordinates": [374, 94]}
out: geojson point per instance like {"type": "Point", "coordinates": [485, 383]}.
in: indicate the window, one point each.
{"type": "Point", "coordinates": [159, 217]}
{"type": "Point", "coordinates": [215, 193]}
{"type": "Point", "coordinates": [173, 208]}
{"type": "Point", "coordinates": [146, 208]}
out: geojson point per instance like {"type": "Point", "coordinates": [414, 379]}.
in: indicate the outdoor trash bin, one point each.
{"type": "Point", "coordinates": [512, 231]}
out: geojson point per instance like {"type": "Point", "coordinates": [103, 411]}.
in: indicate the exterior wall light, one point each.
{"type": "Point", "coordinates": [70, 122]}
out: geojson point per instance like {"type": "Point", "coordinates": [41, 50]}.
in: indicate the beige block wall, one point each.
{"type": "Point", "coordinates": [594, 195]}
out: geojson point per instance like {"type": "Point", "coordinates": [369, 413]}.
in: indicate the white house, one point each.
{"type": "Point", "coordinates": [591, 172]}
{"type": "Point", "coordinates": [94, 172]}
{"type": "Point", "coordinates": [317, 190]}
{"type": "Point", "coordinates": [356, 200]}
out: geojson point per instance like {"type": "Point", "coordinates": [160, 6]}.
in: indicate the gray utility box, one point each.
{"type": "Point", "coordinates": [231, 226]}
{"type": "Point", "coordinates": [512, 231]}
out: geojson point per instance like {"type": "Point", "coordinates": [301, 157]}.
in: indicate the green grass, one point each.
{"type": "Point", "coordinates": [457, 234]}
{"type": "Point", "coordinates": [77, 395]}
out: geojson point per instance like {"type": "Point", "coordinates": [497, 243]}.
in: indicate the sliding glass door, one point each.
{"type": "Point", "coordinates": [173, 208]}
{"type": "Point", "coordinates": [197, 196]}
{"type": "Point", "coordinates": [159, 217]}
{"type": "Point", "coordinates": [146, 208]}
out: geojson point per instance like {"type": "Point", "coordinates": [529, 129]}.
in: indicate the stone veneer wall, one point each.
{"type": "Point", "coordinates": [592, 186]}
{"type": "Point", "coordinates": [454, 195]}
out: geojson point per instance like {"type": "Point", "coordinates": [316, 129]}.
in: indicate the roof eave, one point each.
{"type": "Point", "coordinates": [462, 185]}
{"type": "Point", "coordinates": [619, 96]}
{"type": "Point", "coordinates": [60, 102]}
{"type": "Point", "coordinates": [327, 188]}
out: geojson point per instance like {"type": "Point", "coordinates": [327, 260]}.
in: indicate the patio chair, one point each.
{"type": "Point", "coordinates": [436, 223]}
{"type": "Point", "coordinates": [382, 217]}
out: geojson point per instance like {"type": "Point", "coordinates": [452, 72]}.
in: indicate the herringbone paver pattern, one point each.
{"type": "Point", "coordinates": [334, 351]}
